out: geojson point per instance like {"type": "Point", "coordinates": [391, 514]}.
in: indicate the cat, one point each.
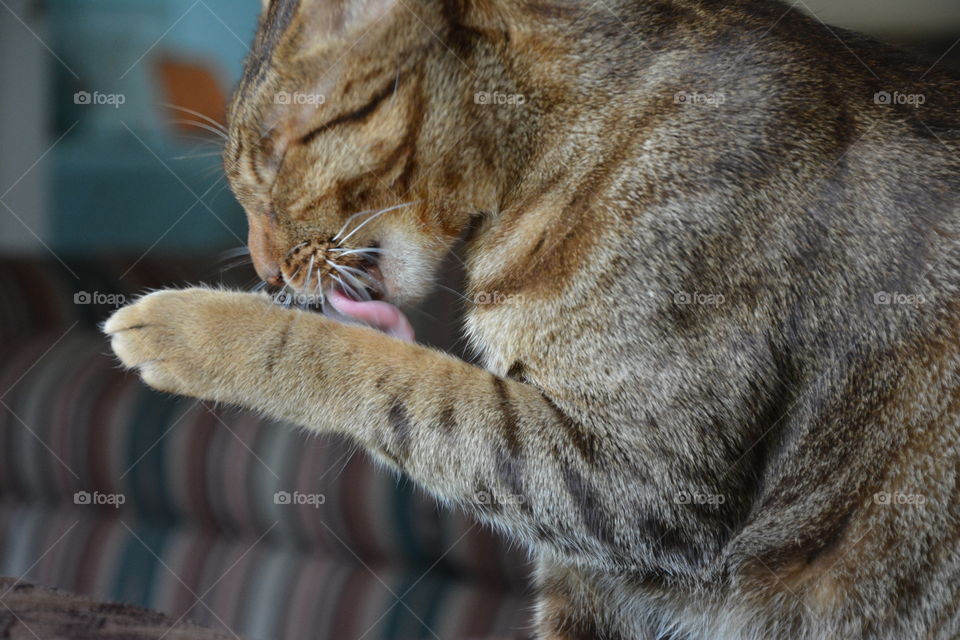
{"type": "Point", "coordinates": [712, 267]}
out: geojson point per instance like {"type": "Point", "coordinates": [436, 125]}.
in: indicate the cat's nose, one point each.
{"type": "Point", "coordinates": [266, 267]}
{"type": "Point", "coordinates": [268, 270]}
{"type": "Point", "coordinates": [263, 252]}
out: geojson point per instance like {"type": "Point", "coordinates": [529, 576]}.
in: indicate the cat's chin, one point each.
{"type": "Point", "coordinates": [378, 314]}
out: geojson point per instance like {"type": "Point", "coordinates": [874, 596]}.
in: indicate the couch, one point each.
{"type": "Point", "coordinates": [207, 514]}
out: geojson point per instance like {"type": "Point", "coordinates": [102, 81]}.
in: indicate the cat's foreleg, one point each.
{"type": "Point", "coordinates": [494, 445]}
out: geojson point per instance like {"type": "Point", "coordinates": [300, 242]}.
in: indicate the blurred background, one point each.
{"type": "Point", "coordinates": [120, 173]}
{"type": "Point", "coordinates": [111, 490]}
{"type": "Point", "coordinates": [86, 82]}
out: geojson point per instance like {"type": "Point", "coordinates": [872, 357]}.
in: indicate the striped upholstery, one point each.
{"type": "Point", "coordinates": [281, 534]}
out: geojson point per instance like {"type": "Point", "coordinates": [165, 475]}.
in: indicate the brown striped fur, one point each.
{"type": "Point", "coordinates": [694, 396]}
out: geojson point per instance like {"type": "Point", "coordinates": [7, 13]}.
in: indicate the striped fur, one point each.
{"type": "Point", "coordinates": [685, 222]}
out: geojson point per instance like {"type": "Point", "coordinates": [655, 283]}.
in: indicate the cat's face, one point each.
{"type": "Point", "coordinates": [327, 149]}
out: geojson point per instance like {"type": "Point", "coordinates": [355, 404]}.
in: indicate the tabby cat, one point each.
{"type": "Point", "coordinates": [712, 254]}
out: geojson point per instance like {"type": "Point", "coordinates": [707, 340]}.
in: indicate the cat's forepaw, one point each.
{"type": "Point", "coordinates": [190, 342]}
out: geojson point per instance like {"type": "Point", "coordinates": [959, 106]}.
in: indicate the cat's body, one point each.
{"type": "Point", "coordinates": [715, 276]}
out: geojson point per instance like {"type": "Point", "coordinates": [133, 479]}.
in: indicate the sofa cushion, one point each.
{"type": "Point", "coordinates": [249, 587]}
{"type": "Point", "coordinates": [75, 427]}
{"type": "Point", "coordinates": [162, 488]}
{"type": "Point", "coordinates": [50, 295]}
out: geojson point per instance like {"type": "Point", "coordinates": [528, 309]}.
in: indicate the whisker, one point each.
{"type": "Point", "coordinates": [350, 219]}
{"type": "Point", "coordinates": [194, 156]}
{"type": "Point", "coordinates": [287, 281]}
{"type": "Point", "coordinates": [454, 292]}
{"type": "Point", "coordinates": [321, 296]}
{"type": "Point", "coordinates": [295, 247]}
{"type": "Point", "coordinates": [348, 252]}
{"type": "Point", "coordinates": [353, 270]}
{"type": "Point", "coordinates": [206, 118]}
{"type": "Point", "coordinates": [323, 304]}
{"type": "Point", "coordinates": [364, 277]}
{"type": "Point", "coordinates": [336, 278]}
{"type": "Point", "coordinates": [353, 293]}
{"type": "Point", "coordinates": [375, 216]}
{"type": "Point", "coordinates": [366, 280]}
{"type": "Point", "coordinates": [354, 281]}
{"type": "Point", "coordinates": [219, 192]}
{"type": "Point", "coordinates": [229, 254]}
{"type": "Point", "coordinates": [319, 289]}
{"type": "Point", "coordinates": [306, 283]}
{"type": "Point", "coordinates": [235, 264]}
{"type": "Point", "coordinates": [421, 312]}
{"type": "Point", "coordinates": [202, 141]}
{"type": "Point", "coordinates": [214, 169]}
{"type": "Point", "coordinates": [202, 125]}
{"type": "Point", "coordinates": [360, 292]}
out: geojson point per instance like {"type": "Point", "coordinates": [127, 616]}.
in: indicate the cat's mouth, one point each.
{"type": "Point", "coordinates": [346, 284]}
{"type": "Point", "coordinates": [375, 313]}
{"type": "Point", "coordinates": [369, 307]}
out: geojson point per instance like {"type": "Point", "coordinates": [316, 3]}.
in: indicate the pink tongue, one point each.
{"type": "Point", "coordinates": [379, 315]}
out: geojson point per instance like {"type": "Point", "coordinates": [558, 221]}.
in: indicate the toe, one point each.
{"type": "Point", "coordinates": [121, 320]}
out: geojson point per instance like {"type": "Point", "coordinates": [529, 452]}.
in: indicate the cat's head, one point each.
{"type": "Point", "coordinates": [356, 145]}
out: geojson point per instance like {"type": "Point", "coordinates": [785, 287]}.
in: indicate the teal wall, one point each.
{"type": "Point", "coordinates": [120, 181]}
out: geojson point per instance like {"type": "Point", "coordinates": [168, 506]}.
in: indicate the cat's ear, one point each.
{"type": "Point", "coordinates": [338, 17]}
